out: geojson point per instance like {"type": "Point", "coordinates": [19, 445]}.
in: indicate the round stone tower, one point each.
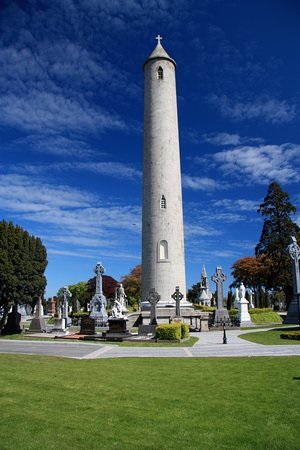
{"type": "Point", "coordinates": [163, 266]}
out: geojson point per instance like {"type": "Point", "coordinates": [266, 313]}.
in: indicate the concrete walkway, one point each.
{"type": "Point", "coordinates": [210, 344]}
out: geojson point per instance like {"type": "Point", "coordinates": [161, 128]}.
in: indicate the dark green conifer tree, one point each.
{"type": "Point", "coordinates": [23, 260]}
{"type": "Point", "coordinates": [277, 230]}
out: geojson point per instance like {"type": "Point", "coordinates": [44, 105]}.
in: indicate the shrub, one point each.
{"type": "Point", "coordinates": [75, 316]}
{"type": "Point", "coordinates": [169, 332]}
{"type": "Point", "coordinates": [232, 313]}
{"type": "Point", "coordinates": [292, 335]}
{"type": "Point", "coordinates": [260, 310]}
{"type": "Point", "coordinates": [184, 330]}
{"type": "Point", "coordinates": [266, 317]}
{"type": "Point", "coordinates": [204, 308]}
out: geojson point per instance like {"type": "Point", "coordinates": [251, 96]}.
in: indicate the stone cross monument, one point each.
{"type": "Point", "coordinates": [221, 313]}
{"type": "Point", "coordinates": [153, 299]}
{"type": "Point", "coordinates": [163, 265]}
{"type": "Point", "coordinates": [177, 296]}
{"type": "Point", "coordinates": [98, 303]}
{"type": "Point", "coordinates": [66, 294]}
{"type": "Point", "coordinates": [293, 315]}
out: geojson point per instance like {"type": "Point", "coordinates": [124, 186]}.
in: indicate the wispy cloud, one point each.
{"type": "Point", "coordinates": [110, 169]}
{"type": "Point", "coordinates": [237, 205]}
{"type": "Point", "coordinates": [228, 139]}
{"type": "Point", "coordinates": [259, 164]}
{"type": "Point", "coordinates": [268, 109]}
{"type": "Point", "coordinates": [68, 215]}
{"type": "Point", "coordinates": [201, 183]}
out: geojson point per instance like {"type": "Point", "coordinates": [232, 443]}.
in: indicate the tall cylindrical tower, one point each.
{"type": "Point", "coordinates": [163, 266]}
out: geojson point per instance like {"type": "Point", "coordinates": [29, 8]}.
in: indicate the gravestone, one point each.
{"type": "Point", "coordinates": [98, 303]}
{"type": "Point", "coordinates": [293, 315]}
{"type": "Point", "coordinates": [13, 324]}
{"type": "Point", "coordinates": [153, 299]}
{"type": "Point", "coordinates": [221, 313]}
{"type": "Point", "coordinates": [177, 296]}
{"type": "Point", "coordinates": [38, 324]}
{"type": "Point", "coordinates": [87, 325]}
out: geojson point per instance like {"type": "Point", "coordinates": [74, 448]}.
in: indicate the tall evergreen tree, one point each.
{"type": "Point", "coordinates": [277, 229]}
{"type": "Point", "coordinates": [23, 260]}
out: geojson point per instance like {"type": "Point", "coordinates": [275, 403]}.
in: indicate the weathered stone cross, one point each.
{"type": "Point", "coordinates": [66, 297]}
{"type": "Point", "coordinates": [153, 299]}
{"type": "Point", "coordinates": [158, 38]}
{"type": "Point", "coordinates": [177, 296]}
{"type": "Point", "coordinates": [294, 252]}
{"type": "Point", "coordinates": [99, 271]}
{"type": "Point", "coordinates": [219, 279]}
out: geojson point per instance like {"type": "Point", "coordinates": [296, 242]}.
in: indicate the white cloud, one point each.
{"type": "Point", "coordinates": [259, 164]}
{"type": "Point", "coordinates": [268, 109]}
{"type": "Point", "coordinates": [237, 205]}
{"type": "Point", "coordinates": [222, 139]}
{"type": "Point", "coordinates": [190, 231]}
{"type": "Point", "coordinates": [66, 209]}
{"type": "Point", "coordinates": [200, 183]}
{"type": "Point", "coordinates": [226, 139]}
{"type": "Point", "coordinates": [111, 169]}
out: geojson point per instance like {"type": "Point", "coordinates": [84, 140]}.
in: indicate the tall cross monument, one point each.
{"type": "Point", "coordinates": [221, 313]}
{"type": "Point", "coordinates": [163, 265]}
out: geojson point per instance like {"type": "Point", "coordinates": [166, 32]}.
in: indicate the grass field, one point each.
{"type": "Point", "coordinates": [270, 337]}
{"type": "Point", "coordinates": [156, 403]}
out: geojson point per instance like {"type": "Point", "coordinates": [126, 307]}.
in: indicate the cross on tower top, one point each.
{"type": "Point", "coordinates": [159, 38]}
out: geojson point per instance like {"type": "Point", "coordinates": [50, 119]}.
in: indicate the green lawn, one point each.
{"type": "Point", "coordinates": [270, 337]}
{"type": "Point", "coordinates": [152, 403]}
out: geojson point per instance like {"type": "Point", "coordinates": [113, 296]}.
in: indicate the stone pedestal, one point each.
{"type": "Point", "coordinates": [38, 325]}
{"type": "Point", "coordinates": [293, 314]}
{"type": "Point", "coordinates": [88, 326]}
{"type": "Point", "coordinates": [221, 316]}
{"type": "Point", "coordinates": [117, 328]}
{"type": "Point", "coordinates": [243, 314]}
{"type": "Point", "coordinates": [59, 325]}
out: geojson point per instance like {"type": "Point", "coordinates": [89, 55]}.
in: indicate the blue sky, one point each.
{"type": "Point", "coordinates": [71, 124]}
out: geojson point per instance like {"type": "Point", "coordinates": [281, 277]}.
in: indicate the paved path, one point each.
{"type": "Point", "coordinates": [210, 344]}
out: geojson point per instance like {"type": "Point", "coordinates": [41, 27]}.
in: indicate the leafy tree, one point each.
{"type": "Point", "coordinates": [193, 293]}
{"type": "Point", "coordinates": [132, 284]}
{"type": "Point", "coordinates": [109, 285]}
{"type": "Point", "coordinates": [277, 230]}
{"type": "Point", "coordinates": [79, 293]}
{"type": "Point", "coordinates": [23, 260]}
{"type": "Point", "coordinates": [252, 272]}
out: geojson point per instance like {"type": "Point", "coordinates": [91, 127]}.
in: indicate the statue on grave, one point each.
{"type": "Point", "coordinates": [121, 296]}
{"type": "Point", "coordinates": [241, 292]}
{"type": "Point", "coordinates": [117, 310]}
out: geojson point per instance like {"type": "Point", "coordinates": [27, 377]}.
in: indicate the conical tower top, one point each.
{"type": "Point", "coordinates": [159, 52]}
{"type": "Point", "coordinates": [203, 273]}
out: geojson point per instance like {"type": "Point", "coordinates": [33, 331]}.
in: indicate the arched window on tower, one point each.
{"type": "Point", "coordinates": [160, 73]}
{"type": "Point", "coordinates": [163, 203]}
{"type": "Point", "coordinates": [163, 250]}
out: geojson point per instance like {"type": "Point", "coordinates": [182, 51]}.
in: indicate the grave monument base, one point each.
{"type": "Point", "coordinates": [293, 316]}
{"type": "Point", "coordinates": [221, 315]}
{"type": "Point", "coordinates": [38, 325]}
{"type": "Point", "coordinates": [117, 328]}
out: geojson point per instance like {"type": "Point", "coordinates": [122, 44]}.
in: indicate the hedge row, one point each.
{"type": "Point", "coordinates": [268, 317]}
{"type": "Point", "coordinates": [292, 335]}
{"type": "Point", "coordinates": [172, 331]}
